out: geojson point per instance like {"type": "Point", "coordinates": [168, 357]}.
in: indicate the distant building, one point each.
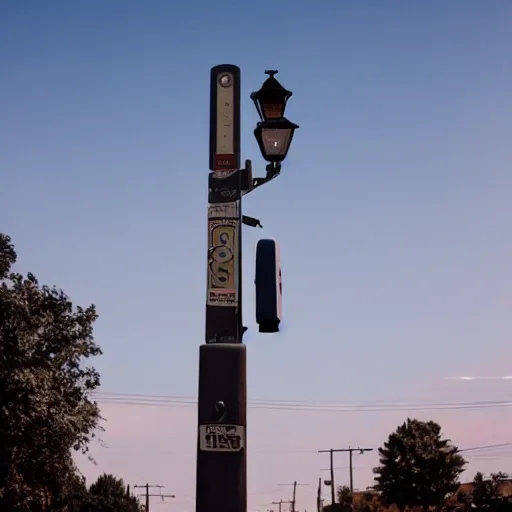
{"type": "Point", "coordinates": [361, 497]}
{"type": "Point", "coordinates": [505, 487]}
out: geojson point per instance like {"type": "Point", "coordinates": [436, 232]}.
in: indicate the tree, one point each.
{"type": "Point", "coordinates": [368, 501]}
{"type": "Point", "coordinates": [345, 498]}
{"type": "Point", "coordinates": [45, 412]}
{"type": "Point", "coordinates": [417, 467]}
{"type": "Point", "coordinates": [109, 493]}
{"type": "Point", "coordinates": [74, 498]}
{"type": "Point", "coordinates": [487, 495]}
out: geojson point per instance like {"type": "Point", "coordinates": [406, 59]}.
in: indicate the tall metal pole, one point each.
{"type": "Point", "coordinates": [351, 470]}
{"type": "Point", "coordinates": [350, 451]}
{"type": "Point", "coordinates": [147, 495]}
{"type": "Point", "coordinates": [280, 503]}
{"type": "Point", "coordinates": [294, 494]}
{"type": "Point", "coordinates": [333, 490]}
{"type": "Point", "coordinates": [221, 482]}
{"type": "Point", "coordinates": [331, 458]}
{"type": "Point", "coordinates": [319, 496]}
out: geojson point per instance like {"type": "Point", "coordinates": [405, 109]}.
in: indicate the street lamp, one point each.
{"type": "Point", "coordinates": [274, 139]}
{"type": "Point", "coordinates": [274, 132]}
{"type": "Point", "coordinates": [221, 482]}
{"type": "Point", "coordinates": [271, 99]}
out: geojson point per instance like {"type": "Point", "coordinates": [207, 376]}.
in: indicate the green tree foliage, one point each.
{"type": "Point", "coordinates": [109, 494]}
{"type": "Point", "coordinates": [417, 467]}
{"type": "Point", "coordinates": [45, 412]}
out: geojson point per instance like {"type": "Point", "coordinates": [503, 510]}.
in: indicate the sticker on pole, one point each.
{"type": "Point", "coordinates": [221, 438]}
{"type": "Point", "coordinates": [223, 262]}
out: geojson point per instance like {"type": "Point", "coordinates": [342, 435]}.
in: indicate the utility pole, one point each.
{"type": "Point", "coordinates": [147, 495]}
{"type": "Point", "coordinates": [280, 503]}
{"type": "Point", "coordinates": [331, 456]}
{"type": "Point", "coordinates": [319, 496]}
{"type": "Point", "coordinates": [222, 396]}
{"type": "Point", "coordinates": [295, 484]}
{"type": "Point", "coordinates": [350, 451]}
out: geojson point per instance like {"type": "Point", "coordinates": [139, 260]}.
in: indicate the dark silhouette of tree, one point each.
{"type": "Point", "coordinates": [344, 501]}
{"type": "Point", "coordinates": [74, 498]}
{"type": "Point", "coordinates": [417, 467]}
{"type": "Point", "coordinates": [345, 498]}
{"type": "Point", "coordinates": [367, 502]}
{"type": "Point", "coordinates": [45, 412]}
{"type": "Point", "coordinates": [464, 501]}
{"type": "Point", "coordinates": [487, 495]}
{"type": "Point", "coordinates": [333, 508]}
{"type": "Point", "coordinates": [109, 494]}
{"type": "Point", "coordinates": [8, 255]}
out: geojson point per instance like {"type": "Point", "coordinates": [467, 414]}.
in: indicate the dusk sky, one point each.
{"type": "Point", "coordinates": [393, 215]}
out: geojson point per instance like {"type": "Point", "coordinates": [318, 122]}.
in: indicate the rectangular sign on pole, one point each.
{"type": "Point", "coordinates": [221, 438]}
{"type": "Point", "coordinates": [224, 119]}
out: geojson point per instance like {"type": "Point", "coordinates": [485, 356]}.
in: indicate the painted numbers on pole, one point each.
{"type": "Point", "coordinates": [224, 119]}
{"type": "Point", "coordinates": [221, 438]}
{"type": "Point", "coordinates": [223, 269]}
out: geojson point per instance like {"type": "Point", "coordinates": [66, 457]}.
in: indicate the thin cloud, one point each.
{"type": "Point", "coordinates": [502, 377]}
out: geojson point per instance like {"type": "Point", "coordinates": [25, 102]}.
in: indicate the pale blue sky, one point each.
{"type": "Point", "coordinates": [392, 212]}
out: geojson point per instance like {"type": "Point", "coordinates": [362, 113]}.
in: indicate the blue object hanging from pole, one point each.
{"type": "Point", "coordinates": [269, 288]}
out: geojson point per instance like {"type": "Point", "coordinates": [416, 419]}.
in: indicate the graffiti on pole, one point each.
{"type": "Point", "coordinates": [221, 438]}
{"type": "Point", "coordinates": [222, 262]}
{"type": "Point", "coordinates": [222, 211]}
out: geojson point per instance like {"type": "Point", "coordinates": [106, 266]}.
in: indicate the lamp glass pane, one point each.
{"type": "Point", "coordinates": [276, 141]}
{"type": "Point", "coordinates": [272, 110]}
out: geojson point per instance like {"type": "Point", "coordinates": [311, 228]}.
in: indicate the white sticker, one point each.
{"type": "Point", "coordinates": [221, 438]}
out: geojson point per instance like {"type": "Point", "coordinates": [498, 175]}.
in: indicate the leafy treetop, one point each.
{"type": "Point", "coordinates": [46, 410]}
{"type": "Point", "coordinates": [417, 467]}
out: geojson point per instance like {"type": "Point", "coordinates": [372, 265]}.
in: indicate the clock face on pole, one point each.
{"type": "Point", "coordinates": [225, 120]}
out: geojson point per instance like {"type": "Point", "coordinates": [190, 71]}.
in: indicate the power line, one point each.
{"type": "Point", "coordinates": [470, 456]}
{"type": "Point", "coordinates": [313, 450]}
{"type": "Point", "coordinates": [372, 403]}
{"type": "Point", "coordinates": [489, 446]}
{"type": "Point", "coordinates": [497, 457]}
{"type": "Point", "coordinates": [253, 400]}
{"type": "Point", "coordinates": [345, 467]}
{"type": "Point", "coordinates": [282, 405]}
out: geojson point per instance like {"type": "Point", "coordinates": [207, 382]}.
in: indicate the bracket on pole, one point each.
{"type": "Point", "coordinates": [251, 221]}
{"type": "Point", "coordinates": [273, 170]}
{"type": "Point", "coordinates": [235, 184]}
